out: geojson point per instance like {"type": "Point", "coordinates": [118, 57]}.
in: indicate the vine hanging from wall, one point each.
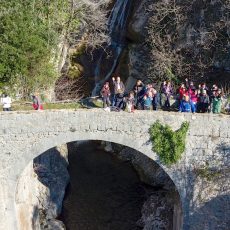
{"type": "Point", "coordinates": [168, 144]}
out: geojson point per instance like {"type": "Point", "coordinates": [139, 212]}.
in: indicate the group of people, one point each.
{"type": "Point", "coordinates": [188, 98]}
{"type": "Point", "coordinates": [6, 101]}
{"type": "Point", "coordinates": [199, 99]}
{"type": "Point", "coordinates": [141, 97]}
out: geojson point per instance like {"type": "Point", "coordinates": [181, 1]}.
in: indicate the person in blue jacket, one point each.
{"type": "Point", "coordinates": [186, 105]}
{"type": "Point", "coordinates": [147, 101]}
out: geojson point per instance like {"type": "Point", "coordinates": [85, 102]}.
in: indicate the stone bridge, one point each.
{"type": "Point", "coordinates": [26, 135]}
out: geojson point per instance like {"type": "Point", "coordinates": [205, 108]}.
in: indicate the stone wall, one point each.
{"type": "Point", "coordinates": [200, 176]}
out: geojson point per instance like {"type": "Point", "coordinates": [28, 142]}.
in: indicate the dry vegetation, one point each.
{"type": "Point", "coordinates": [92, 16]}
{"type": "Point", "coordinates": [188, 38]}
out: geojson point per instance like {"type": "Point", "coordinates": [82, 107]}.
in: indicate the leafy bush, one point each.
{"type": "Point", "coordinates": [169, 145]}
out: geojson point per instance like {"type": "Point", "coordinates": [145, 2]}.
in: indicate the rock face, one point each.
{"type": "Point", "coordinates": [208, 195]}
{"type": "Point", "coordinates": [204, 22]}
{"type": "Point", "coordinates": [149, 171]}
{"type": "Point", "coordinates": [211, 198]}
{"type": "Point", "coordinates": [156, 212]}
{"type": "Point", "coordinates": [41, 189]}
{"type": "Point", "coordinates": [139, 52]}
{"type": "Point", "coordinates": [203, 19]}
{"type": "Point", "coordinates": [162, 208]}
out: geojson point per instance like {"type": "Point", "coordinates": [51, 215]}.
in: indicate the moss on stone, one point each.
{"type": "Point", "coordinates": [75, 71]}
{"type": "Point", "coordinates": [208, 173]}
{"type": "Point", "coordinates": [80, 50]}
{"type": "Point", "coordinates": [169, 145]}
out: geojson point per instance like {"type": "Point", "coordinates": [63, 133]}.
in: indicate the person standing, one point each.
{"type": "Point", "coordinates": [6, 102]}
{"type": "Point", "coordinates": [193, 98]}
{"type": "Point", "coordinates": [216, 100]}
{"type": "Point", "coordinates": [130, 102]}
{"type": "Point", "coordinates": [37, 105]}
{"type": "Point", "coordinates": [203, 102]}
{"type": "Point", "coordinates": [105, 93]}
{"type": "Point", "coordinates": [186, 105]}
{"type": "Point", "coordinates": [119, 88]}
{"type": "Point", "coordinates": [182, 92]}
{"type": "Point", "coordinates": [155, 100]}
{"type": "Point", "coordinates": [168, 92]}
{"type": "Point", "coordinates": [147, 101]}
{"type": "Point", "coordinates": [139, 90]}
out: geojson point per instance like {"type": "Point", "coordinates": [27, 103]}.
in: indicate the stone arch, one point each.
{"type": "Point", "coordinates": [45, 144]}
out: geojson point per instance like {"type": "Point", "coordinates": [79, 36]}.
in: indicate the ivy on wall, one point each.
{"type": "Point", "coordinates": [168, 144]}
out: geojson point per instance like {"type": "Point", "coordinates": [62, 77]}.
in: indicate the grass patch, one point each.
{"type": "Point", "coordinates": [62, 106]}
{"type": "Point", "coordinates": [92, 103]}
{"type": "Point", "coordinates": [97, 103]}
{"type": "Point", "coordinates": [16, 106]}
{"type": "Point", "coordinates": [25, 106]}
{"type": "Point", "coordinates": [169, 145]}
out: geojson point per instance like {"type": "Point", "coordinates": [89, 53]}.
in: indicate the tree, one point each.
{"type": "Point", "coordinates": [30, 31]}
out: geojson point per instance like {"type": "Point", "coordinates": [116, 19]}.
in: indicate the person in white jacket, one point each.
{"type": "Point", "coordinates": [6, 102]}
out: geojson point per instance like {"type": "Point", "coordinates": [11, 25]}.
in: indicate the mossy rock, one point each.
{"type": "Point", "coordinates": [80, 50]}
{"type": "Point", "coordinates": [75, 71]}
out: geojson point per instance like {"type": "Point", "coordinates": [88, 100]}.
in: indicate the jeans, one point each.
{"type": "Point", "coordinates": [106, 101]}
{"type": "Point", "coordinates": [167, 102]}
{"type": "Point", "coordinates": [6, 109]}
{"type": "Point", "coordinates": [113, 99]}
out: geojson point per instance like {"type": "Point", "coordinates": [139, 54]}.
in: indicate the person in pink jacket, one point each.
{"type": "Point", "coordinates": [193, 94]}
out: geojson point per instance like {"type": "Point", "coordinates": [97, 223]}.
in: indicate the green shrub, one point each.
{"type": "Point", "coordinates": [169, 145]}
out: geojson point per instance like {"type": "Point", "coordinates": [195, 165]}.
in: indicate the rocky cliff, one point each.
{"type": "Point", "coordinates": [41, 189]}
{"type": "Point", "coordinates": [166, 40]}
{"type": "Point", "coordinates": [178, 39]}
{"type": "Point", "coordinates": [162, 207]}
